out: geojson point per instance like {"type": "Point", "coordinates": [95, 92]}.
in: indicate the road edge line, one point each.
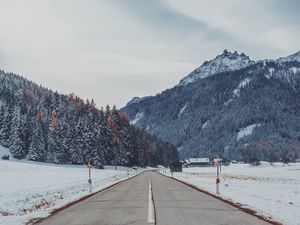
{"type": "Point", "coordinates": [227, 201]}
{"type": "Point", "coordinates": [33, 221]}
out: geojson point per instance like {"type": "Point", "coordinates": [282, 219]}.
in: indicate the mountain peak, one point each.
{"type": "Point", "coordinates": [227, 61]}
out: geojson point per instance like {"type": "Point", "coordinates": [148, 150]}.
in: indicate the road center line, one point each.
{"type": "Point", "coordinates": [151, 216]}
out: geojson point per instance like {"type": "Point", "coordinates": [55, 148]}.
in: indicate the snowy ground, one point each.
{"type": "Point", "coordinates": [271, 190]}
{"type": "Point", "coordinates": [29, 190]}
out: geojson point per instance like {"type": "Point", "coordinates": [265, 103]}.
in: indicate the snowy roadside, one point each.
{"type": "Point", "coordinates": [271, 190]}
{"type": "Point", "coordinates": [32, 190]}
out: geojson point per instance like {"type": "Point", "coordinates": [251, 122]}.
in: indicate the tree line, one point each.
{"type": "Point", "coordinates": [41, 125]}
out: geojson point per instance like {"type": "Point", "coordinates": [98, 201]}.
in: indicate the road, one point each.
{"type": "Point", "coordinates": [174, 203]}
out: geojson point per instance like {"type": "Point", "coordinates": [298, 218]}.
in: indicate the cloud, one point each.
{"type": "Point", "coordinates": [248, 24]}
{"type": "Point", "coordinates": [112, 50]}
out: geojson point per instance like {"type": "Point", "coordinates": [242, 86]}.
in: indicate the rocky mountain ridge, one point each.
{"type": "Point", "coordinates": [248, 113]}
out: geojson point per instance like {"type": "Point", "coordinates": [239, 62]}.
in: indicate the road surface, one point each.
{"type": "Point", "coordinates": [174, 204]}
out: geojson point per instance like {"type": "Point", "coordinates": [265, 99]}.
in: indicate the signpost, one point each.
{"type": "Point", "coordinates": [90, 179]}
{"type": "Point", "coordinates": [217, 163]}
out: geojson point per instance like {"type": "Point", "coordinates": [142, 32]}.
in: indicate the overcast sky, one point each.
{"type": "Point", "coordinates": [113, 50]}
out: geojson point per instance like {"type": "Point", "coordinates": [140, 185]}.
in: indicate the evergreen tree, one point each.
{"type": "Point", "coordinates": [17, 144]}
{"type": "Point", "coordinates": [1, 116]}
{"type": "Point", "coordinates": [37, 148]}
{"type": "Point", "coordinates": [6, 127]}
{"type": "Point", "coordinates": [77, 156]}
{"type": "Point", "coordinates": [55, 153]}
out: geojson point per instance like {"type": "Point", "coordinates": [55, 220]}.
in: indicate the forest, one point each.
{"type": "Point", "coordinates": [39, 124]}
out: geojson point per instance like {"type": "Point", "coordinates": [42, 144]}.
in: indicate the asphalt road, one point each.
{"type": "Point", "coordinates": [174, 203]}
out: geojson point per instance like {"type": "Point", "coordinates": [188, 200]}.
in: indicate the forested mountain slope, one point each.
{"type": "Point", "coordinates": [247, 111]}
{"type": "Point", "coordinates": [41, 125]}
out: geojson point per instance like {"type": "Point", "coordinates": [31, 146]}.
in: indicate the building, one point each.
{"type": "Point", "coordinates": [198, 162]}
{"type": "Point", "coordinates": [176, 166]}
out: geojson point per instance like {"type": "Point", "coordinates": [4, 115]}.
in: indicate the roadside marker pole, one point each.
{"type": "Point", "coordinates": [218, 178]}
{"type": "Point", "coordinates": [90, 179]}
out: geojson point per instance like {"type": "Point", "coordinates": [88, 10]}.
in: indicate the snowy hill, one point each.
{"type": "Point", "coordinates": [250, 113]}
{"type": "Point", "coordinates": [227, 61]}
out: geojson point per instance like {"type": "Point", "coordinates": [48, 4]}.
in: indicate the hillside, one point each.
{"type": "Point", "coordinates": [247, 111]}
{"type": "Point", "coordinates": [41, 125]}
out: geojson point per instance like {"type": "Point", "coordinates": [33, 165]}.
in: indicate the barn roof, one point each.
{"type": "Point", "coordinates": [198, 160]}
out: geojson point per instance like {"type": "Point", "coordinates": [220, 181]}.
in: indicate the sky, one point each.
{"type": "Point", "coordinates": [113, 50]}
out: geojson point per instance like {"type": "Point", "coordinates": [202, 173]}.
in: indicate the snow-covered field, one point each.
{"type": "Point", "coordinates": [271, 190]}
{"type": "Point", "coordinates": [29, 190]}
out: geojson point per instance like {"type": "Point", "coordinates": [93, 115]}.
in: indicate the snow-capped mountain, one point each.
{"type": "Point", "coordinates": [227, 61]}
{"type": "Point", "coordinates": [250, 111]}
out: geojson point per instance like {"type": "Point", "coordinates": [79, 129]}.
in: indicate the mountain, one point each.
{"type": "Point", "coordinates": [41, 125]}
{"type": "Point", "coordinates": [293, 57]}
{"type": "Point", "coordinates": [222, 63]}
{"type": "Point", "coordinates": [136, 100]}
{"type": "Point", "coordinates": [246, 111]}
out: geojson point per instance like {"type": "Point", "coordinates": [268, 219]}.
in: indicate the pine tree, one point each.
{"type": "Point", "coordinates": [77, 156]}
{"type": "Point", "coordinates": [126, 146]}
{"type": "Point", "coordinates": [27, 127]}
{"type": "Point", "coordinates": [106, 140]}
{"type": "Point", "coordinates": [55, 153]}
{"type": "Point", "coordinates": [17, 145]}
{"type": "Point", "coordinates": [69, 140]}
{"type": "Point", "coordinates": [2, 110]}
{"type": "Point", "coordinates": [87, 138]}
{"type": "Point", "coordinates": [6, 127]}
{"type": "Point", "coordinates": [37, 148]}
{"type": "Point", "coordinates": [97, 152]}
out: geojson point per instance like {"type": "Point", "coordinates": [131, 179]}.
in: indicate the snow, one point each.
{"type": "Point", "coordinates": [222, 63]}
{"type": "Point", "coordinates": [5, 151]}
{"type": "Point", "coordinates": [205, 124]}
{"type": "Point", "coordinates": [182, 110]}
{"type": "Point", "coordinates": [30, 190]}
{"type": "Point", "coordinates": [227, 103]}
{"type": "Point", "coordinates": [179, 149]}
{"type": "Point", "coordinates": [246, 131]}
{"type": "Point", "coordinates": [270, 74]}
{"type": "Point", "coordinates": [271, 70]}
{"type": "Point", "coordinates": [135, 100]}
{"type": "Point", "coordinates": [295, 70]}
{"type": "Point", "coordinates": [138, 116]}
{"type": "Point", "coordinates": [245, 82]}
{"type": "Point", "coordinates": [270, 189]}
